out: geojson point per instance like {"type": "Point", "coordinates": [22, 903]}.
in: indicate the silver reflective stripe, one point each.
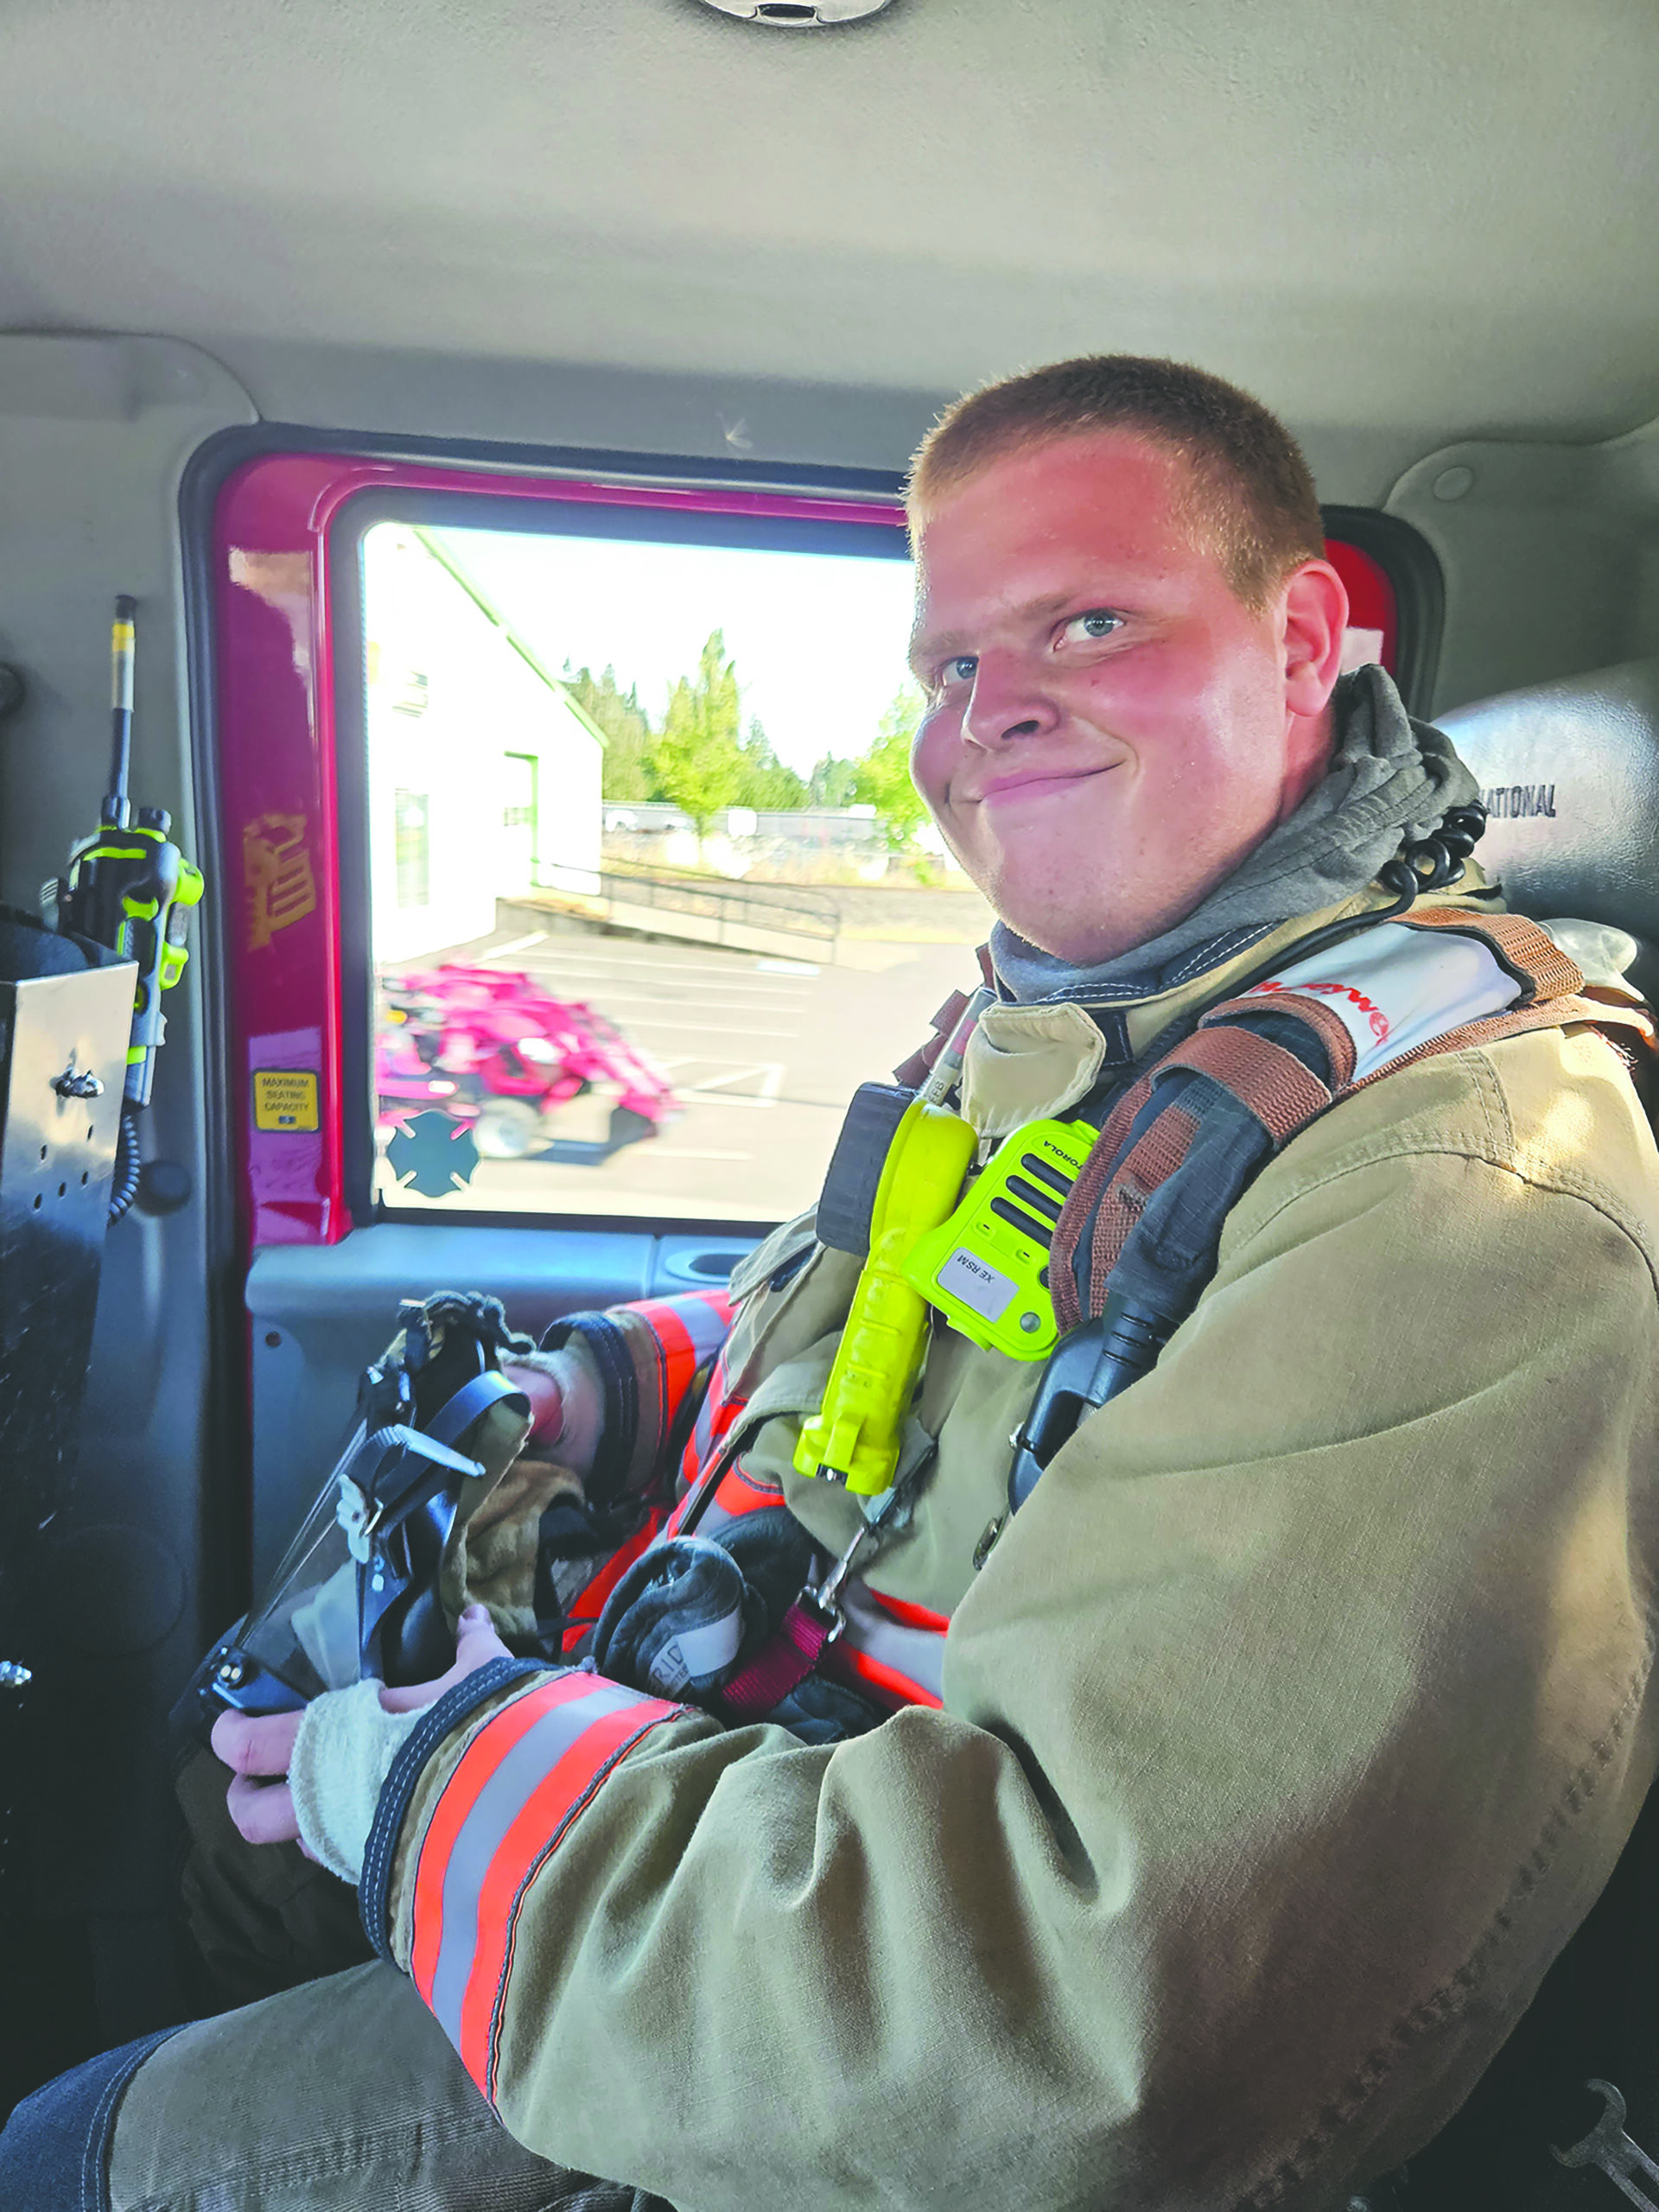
{"type": "Point", "coordinates": [702, 1434]}
{"type": "Point", "coordinates": [704, 1327]}
{"type": "Point", "coordinates": [715, 1517]}
{"type": "Point", "coordinates": [918, 1653]}
{"type": "Point", "coordinates": [484, 1830]}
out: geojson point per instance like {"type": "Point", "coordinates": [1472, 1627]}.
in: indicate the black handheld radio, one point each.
{"type": "Point", "coordinates": [129, 886]}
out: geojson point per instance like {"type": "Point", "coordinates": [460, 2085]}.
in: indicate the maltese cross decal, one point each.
{"type": "Point", "coordinates": [432, 1154]}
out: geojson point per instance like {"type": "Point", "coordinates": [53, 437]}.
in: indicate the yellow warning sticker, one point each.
{"type": "Point", "coordinates": [284, 1098]}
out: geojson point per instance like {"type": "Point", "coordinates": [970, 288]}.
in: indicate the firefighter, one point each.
{"type": "Point", "coordinates": [1192, 1836]}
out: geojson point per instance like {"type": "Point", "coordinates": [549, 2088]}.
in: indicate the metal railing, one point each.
{"type": "Point", "coordinates": [793, 908]}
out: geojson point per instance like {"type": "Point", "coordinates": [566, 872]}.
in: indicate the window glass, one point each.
{"type": "Point", "coordinates": [414, 874]}
{"type": "Point", "coordinates": [651, 893]}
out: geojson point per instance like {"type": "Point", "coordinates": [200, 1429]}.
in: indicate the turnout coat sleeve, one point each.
{"type": "Point", "coordinates": [1286, 1733]}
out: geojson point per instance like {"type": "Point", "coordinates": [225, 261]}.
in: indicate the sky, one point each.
{"type": "Point", "coordinates": [818, 639]}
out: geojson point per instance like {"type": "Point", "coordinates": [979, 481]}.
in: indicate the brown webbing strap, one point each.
{"type": "Point", "coordinates": [1553, 1014]}
{"type": "Point", "coordinates": [1281, 1092]}
{"type": "Point", "coordinates": [1160, 1151]}
{"type": "Point", "coordinates": [1091, 1181]}
{"type": "Point", "coordinates": [1269, 1082]}
{"type": "Point", "coordinates": [915, 1071]}
{"type": "Point", "coordinates": [1326, 1024]}
{"type": "Point", "coordinates": [1537, 963]}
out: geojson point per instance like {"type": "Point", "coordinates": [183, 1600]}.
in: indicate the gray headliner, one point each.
{"type": "Point", "coordinates": [1406, 224]}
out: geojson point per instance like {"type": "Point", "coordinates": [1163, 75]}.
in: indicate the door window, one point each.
{"type": "Point", "coordinates": [675, 898]}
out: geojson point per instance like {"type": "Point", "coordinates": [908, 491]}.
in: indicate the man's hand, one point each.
{"type": "Point", "coordinates": [258, 1751]}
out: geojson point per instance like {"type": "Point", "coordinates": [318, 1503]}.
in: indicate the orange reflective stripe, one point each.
{"type": "Point", "coordinates": [701, 1463]}
{"type": "Point", "coordinates": [909, 1616]}
{"type": "Point", "coordinates": [872, 1674]}
{"type": "Point", "coordinates": [714, 1416]}
{"type": "Point", "coordinates": [461, 1792]}
{"type": "Point", "coordinates": [530, 1769]}
{"type": "Point", "coordinates": [540, 1827]}
{"type": "Point", "coordinates": [903, 1658]}
{"type": "Point", "coordinates": [739, 1493]}
{"type": "Point", "coordinates": [688, 1332]}
{"type": "Point", "coordinates": [679, 1357]}
{"type": "Point", "coordinates": [586, 1608]}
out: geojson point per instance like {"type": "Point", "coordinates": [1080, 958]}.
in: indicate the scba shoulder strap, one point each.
{"type": "Point", "coordinates": [1139, 1237]}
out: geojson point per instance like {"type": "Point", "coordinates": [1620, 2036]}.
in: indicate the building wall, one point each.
{"type": "Point", "coordinates": [451, 700]}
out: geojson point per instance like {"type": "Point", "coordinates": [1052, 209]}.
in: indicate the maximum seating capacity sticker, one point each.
{"type": "Point", "coordinates": [284, 1098]}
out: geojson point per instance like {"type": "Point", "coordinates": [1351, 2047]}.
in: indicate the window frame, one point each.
{"type": "Point", "coordinates": [303, 997]}
{"type": "Point", "coordinates": [656, 514]}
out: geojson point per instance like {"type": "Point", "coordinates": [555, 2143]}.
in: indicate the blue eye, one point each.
{"type": "Point", "coordinates": [1097, 622]}
{"type": "Point", "coordinates": [959, 668]}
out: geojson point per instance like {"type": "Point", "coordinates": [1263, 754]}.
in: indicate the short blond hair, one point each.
{"type": "Point", "coordinates": [1252, 492]}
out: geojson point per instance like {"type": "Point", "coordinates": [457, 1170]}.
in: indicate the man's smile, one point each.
{"type": "Point", "coordinates": [1034, 782]}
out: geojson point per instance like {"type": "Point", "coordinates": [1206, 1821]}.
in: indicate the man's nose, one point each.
{"type": "Point", "coordinates": [1008, 701]}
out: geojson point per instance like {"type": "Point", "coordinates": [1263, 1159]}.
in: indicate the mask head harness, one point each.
{"type": "Point", "coordinates": [356, 1594]}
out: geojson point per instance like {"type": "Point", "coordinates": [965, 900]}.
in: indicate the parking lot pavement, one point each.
{"type": "Point", "coordinates": [764, 1053]}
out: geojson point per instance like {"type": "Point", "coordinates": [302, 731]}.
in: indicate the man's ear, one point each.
{"type": "Point", "coordinates": [1315, 623]}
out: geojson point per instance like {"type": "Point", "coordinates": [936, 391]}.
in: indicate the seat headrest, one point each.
{"type": "Point", "coordinates": [1569, 774]}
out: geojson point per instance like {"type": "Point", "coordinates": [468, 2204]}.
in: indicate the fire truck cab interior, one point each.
{"type": "Point", "coordinates": [268, 280]}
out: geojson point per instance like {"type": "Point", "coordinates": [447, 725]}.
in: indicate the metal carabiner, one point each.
{"type": "Point", "coordinates": [824, 1595]}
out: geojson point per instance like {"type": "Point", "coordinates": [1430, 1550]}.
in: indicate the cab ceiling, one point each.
{"type": "Point", "coordinates": [1414, 220]}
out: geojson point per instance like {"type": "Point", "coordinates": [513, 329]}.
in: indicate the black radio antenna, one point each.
{"type": "Point", "coordinates": [117, 811]}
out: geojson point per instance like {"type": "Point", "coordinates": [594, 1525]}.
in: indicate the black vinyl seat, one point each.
{"type": "Point", "coordinates": [1569, 773]}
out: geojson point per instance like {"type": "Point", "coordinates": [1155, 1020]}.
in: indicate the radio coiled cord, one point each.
{"type": "Point", "coordinates": [128, 1165]}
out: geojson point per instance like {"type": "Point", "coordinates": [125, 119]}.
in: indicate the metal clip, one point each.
{"type": "Point", "coordinates": [1608, 2146]}
{"type": "Point", "coordinates": [352, 1511]}
{"type": "Point", "coordinates": [825, 1597]}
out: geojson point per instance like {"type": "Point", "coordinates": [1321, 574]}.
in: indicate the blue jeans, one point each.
{"type": "Point", "coordinates": [54, 2149]}
{"type": "Point", "coordinates": [338, 2096]}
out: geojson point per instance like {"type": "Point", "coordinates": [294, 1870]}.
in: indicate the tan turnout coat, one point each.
{"type": "Point", "coordinates": [1286, 1732]}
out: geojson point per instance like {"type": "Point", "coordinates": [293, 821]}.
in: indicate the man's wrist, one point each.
{"type": "Point", "coordinates": [567, 1404]}
{"type": "Point", "coordinates": [342, 1755]}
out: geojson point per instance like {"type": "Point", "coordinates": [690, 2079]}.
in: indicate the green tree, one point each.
{"type": "Point", "coordinates": [882, 779]}
{"type": "Point", "coordinates": [831, 783]}
{"type": "Point", "coordinates": [696, 756]}
{"type": "Point", "coordinates": [766, 782]}
{"type": "Point", "coordinates": [627, 732]}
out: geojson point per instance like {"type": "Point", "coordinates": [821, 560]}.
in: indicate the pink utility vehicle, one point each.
{"type": "Point", "coordinates": [495, 1050]}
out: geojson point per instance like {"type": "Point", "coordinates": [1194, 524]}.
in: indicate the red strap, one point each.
{"type": "Point", "coordinates": [784, 1665]}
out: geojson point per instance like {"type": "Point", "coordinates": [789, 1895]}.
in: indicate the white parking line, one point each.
{"type": "Point", "coordinates": [516, 944]}
{"type": "Point", "coordinates": [749, 1098]}
{"type": "Point", "coordinates": [735, 1075]}
{"type": "Point", "coordinates": [644, 961]}
{"type": "Point", "coordinates": [707, 1028]}
{"type": "Point", "coordinates": [631, 983]}
{"type": "Point", "coordinates": [607, 999]}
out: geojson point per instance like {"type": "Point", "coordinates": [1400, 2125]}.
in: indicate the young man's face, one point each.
{"type": "Point", "coordinates": [1110, 729]}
